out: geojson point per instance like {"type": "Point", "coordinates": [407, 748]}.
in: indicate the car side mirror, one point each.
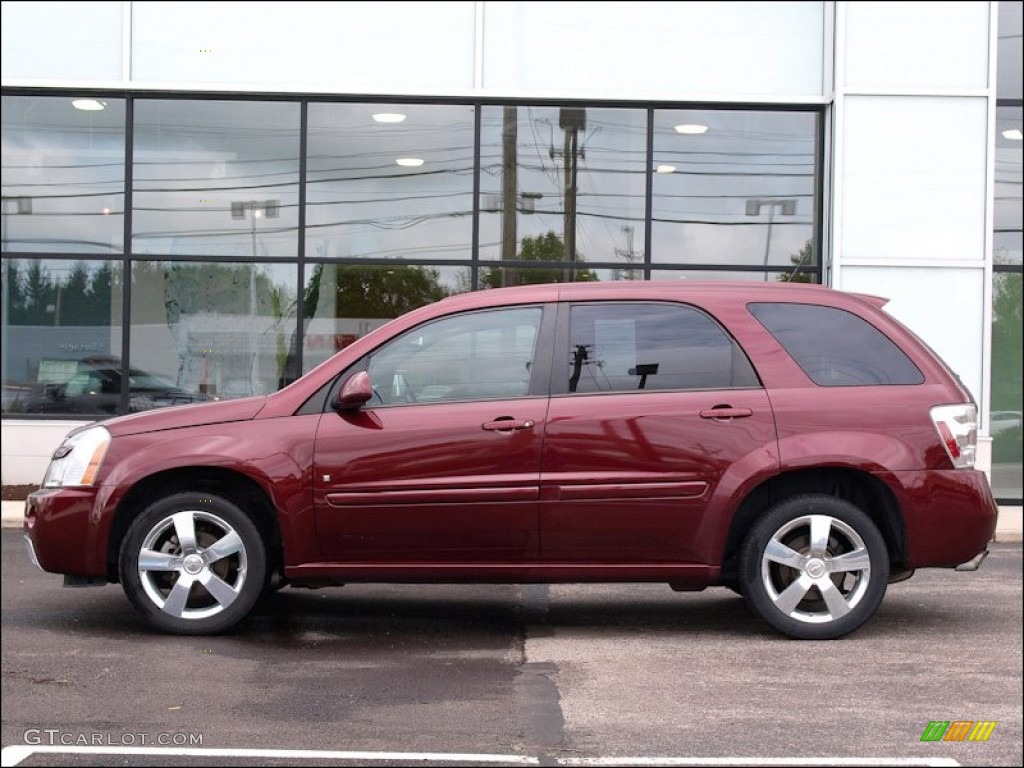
{"type": "Point", "coordinates": [356, 391]}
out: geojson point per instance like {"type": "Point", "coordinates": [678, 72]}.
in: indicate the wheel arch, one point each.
{"type": "Point", "coordinates": [234, 486]}
{"type": "Point", "coordinates": [860, 488]}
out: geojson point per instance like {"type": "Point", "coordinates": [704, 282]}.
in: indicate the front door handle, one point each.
{"type": "Point", "coordinates": [726, 412]}
{"type": "Point", "coordinates": [507, 424]}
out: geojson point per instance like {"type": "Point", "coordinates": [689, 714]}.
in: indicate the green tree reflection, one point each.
{"type": "Point", "coordinates": [548, 247]}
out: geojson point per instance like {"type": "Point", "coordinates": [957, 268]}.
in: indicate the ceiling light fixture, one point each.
{"type": "Point", "coordinates": [665, 169]}
{"type": "Point", "coordinates": [89, 105]}
{"type": "Point", "coordinates": [389, 117]}
{"type": "Point", "coordinates": [410, 162]}
{"type": "Point", "coordinates": [692, 129]}
{"type": "Point", "coordinates": [1013, 134]}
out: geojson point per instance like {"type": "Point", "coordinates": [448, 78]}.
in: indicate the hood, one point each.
{"type": "Point", "coordinates": [192, 415]}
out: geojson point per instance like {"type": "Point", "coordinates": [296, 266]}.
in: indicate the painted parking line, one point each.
{"type": "Point", "coordinates": [15, 754]}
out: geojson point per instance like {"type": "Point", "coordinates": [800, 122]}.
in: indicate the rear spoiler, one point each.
{"type": "Point", "coordinates": [878, 301]}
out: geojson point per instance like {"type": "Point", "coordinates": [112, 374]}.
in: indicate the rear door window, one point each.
{"type": "Point", "coordinates": [836, 348]}
{"type": "Point", "coordinates": [625, 347]}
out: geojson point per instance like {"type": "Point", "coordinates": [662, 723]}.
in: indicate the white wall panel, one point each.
{"type": "Point", "coordinates": [62, 41]}
{"type": "Point", "coordinates": [28, 446]}
{"type": "Point", "coordinates": [357, 46]}
{"type": "Point", "coordinates": [942, 306]}
{"type": "Point", "coordinates": [913, 180]}
{"type": "Point", "coordinates": [915, 45]}
{"type": "Point", "coordinates": [655, 49]}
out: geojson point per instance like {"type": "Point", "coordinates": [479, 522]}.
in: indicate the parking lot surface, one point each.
{"type": "Point", "coordinates": [511, 675]}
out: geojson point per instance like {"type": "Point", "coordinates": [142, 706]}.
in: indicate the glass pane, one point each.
{"type": "Point", "coordinates": [1007, 248]}
{"type": "Point", "coordinates": [218, 178]}
{"type": "Point", "coordinates": [61, 326]}
{"type": "Point", "coordinates": [344, 302]}
{"type": "Point", "coordinates": [800, 273]}
{"type": "Point", "coordinates": [1009, 186]}
{"type": "Point", "coordinates": [390, 180]}
{"type": "Point", "coordinates": [471, 356]}
{"type": "Point", "coordinates": [563, 185]}
{"type": "Point", "coordinates": [498, 277]}
{"type": "Point", "coordinates": [1009, 69]}
{"type": "Point", "coordinates": [836, 348]}
{"type": "Point", "coordinates": [734, 187]}
{"type": "Point", "coordinates": [215, 330]}
{"type": "Point", "coordinates": [628, 347]}
{"type": "Point", "coordinates": [63, 174]}
{"type": "Point", "coordinates": [1007, 371]}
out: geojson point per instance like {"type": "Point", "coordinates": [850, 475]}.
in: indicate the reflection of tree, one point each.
{"type": "Point", "coordinates": [83, 298]}
{"type": "Point", "coordinates": [803, 266]}
{"type": "Point", "coordinates": [374, 292]}
{"type": "Point", "coordinates": [543, 248]}
{"type": "Point", "coordinates": [226, 288]}
{"type": "Point", "coordinates": [1007, 362]}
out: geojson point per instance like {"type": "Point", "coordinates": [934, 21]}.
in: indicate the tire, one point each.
{"type": "Point", "coordinates": [814, 591]}
{"type": "Point", "coordinates": [204, 588]}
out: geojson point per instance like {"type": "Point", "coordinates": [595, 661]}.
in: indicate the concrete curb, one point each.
{"type": "Point", "coordinates": [1009, 528]}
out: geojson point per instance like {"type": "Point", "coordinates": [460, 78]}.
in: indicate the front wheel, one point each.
{"type": "Point", "coordinates": [193, 564]}
{"type": "Point", "coordinates": [815, 567]}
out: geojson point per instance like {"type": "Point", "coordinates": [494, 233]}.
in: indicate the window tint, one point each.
{"type": "Point", "coordinates": [626, 347]}
{"type": "Point", "coordinates": [836, 348]}
{"type": "Point", "coordinates": [476, 355]}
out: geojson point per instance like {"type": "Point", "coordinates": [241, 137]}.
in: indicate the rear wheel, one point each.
{"type": "Point", "coordinates": [193, 564]}
{"type": "Point", "coordinates": [815, 567]}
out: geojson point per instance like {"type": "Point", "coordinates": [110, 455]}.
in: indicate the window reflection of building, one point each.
{"type": "Point", "coordinates": [1007, 391]}
{"type": "Point", "coordinates": [402, 206]}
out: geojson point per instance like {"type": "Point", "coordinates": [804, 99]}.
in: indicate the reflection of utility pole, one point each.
{"type": "Point", "coordinates": [627, 253]}
{"type": "Point", "coordinates": [786, 207]}
{"type": "Point", "coordinates": [572, 120]}
{"type": "Point", "coordinates": [509, 191]}
{"type": "Point", "coordinates": [256, 209]}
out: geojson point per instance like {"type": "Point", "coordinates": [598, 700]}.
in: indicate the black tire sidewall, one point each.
{"type": "Point", "coordinates": [760, 534]}
{"type": "Point", "coordinates": [229, 512]}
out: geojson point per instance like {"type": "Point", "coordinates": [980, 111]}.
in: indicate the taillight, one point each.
{"type": "Point", "coordinates": [957, 426]}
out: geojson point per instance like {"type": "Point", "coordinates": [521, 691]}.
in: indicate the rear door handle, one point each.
{"type": "Point", "coordinates": [726, 412]}
{"type": "Point", "coordinates": [507, 424]}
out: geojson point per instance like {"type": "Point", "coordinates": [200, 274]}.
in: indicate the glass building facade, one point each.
{"type": "Point", "coordinates": [161, 250]}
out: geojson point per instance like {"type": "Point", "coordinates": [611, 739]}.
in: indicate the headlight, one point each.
{"type": "Point", "coordinates": [78, 459]}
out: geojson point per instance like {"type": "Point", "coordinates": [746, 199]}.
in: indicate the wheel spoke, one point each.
{"type": "Point", "coordinates": [185, 528]}
{"type": "Point", "coordinates": [151, 560]}
{"type": "Point", "coordinates": [779, 553]}
{"type": "Point", "coordinates": [793, 594]}
{"type": "Point", "coordinates": [821, 528]}
{"type": "Point", "coordinates": [223, 547]}
{"type": "Point", "coordinates": [834, 599]}
{"type": "Point", "coordinates": [858, 560]}
{"type": "Point", "coordinates": [222, 592]}
{"type": "Point", "coordinates": [176, 600]}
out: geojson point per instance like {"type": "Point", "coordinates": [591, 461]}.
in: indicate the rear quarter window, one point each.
{"type": "Point", "coordinates": [836, 348]}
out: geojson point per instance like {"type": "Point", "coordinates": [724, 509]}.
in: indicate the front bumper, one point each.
{"type": "Point", "coordinates": [62, 532]}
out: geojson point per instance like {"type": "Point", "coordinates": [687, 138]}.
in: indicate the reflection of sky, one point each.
{"type": "Point", "coordinates": [193, 159]}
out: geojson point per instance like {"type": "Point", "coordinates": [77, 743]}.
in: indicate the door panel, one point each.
{"type": "Point", "coordinates": [627, 477]}
{"type": "Point", "coordinates": [655, 403]}
{"type": "Point", "coordinates": [443, 464]}
{"type": "Point", "coordinates": [429, 483]}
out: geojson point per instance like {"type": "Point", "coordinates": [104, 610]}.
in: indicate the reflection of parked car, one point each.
{"type": "Point", "coordinates": [791, 442]}
{"type": "Point", "coordinates": [1004, 421]}
{"type": "Point", "coordinates": [96, 388]}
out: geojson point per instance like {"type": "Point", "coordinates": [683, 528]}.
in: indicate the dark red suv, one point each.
{"type": "Point", "coordinates": [791, 442]}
